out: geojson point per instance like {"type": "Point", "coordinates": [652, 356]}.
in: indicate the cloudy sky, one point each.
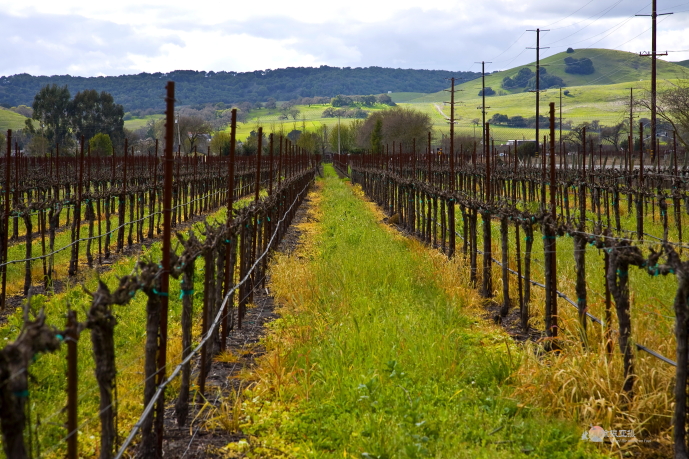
{"type": "Point", "coordinates": [90, 38]}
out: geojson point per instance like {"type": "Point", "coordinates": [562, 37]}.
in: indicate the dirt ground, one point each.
{"type": "Point", "coordinates": [195, 441]}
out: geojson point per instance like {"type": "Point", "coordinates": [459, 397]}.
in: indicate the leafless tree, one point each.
{"type": "Point", "coordinates": [400, 124]}
{"type": "Point", "coordinates": [672, 106]}
{"type": "Point", "coordinates": [613, 134]}
{"type": "Point", "coordinates": [191, 130]}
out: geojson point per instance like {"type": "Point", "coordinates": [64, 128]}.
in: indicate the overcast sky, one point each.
{"type": "Point", "coordinates": [91, 38]}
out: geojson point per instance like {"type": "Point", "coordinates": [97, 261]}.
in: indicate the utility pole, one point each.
{"type": "Point", "coordinates": [452, 123]}
{"type": "Point", "coordinates": [451, 203]}
{"type": "Point", "coordinates": [654, 15]}
{"type": "Point", "coordinates": [452, 134]}
{"type": "Point", "coordinates": [538, 81]}
{"type": "Point", "coordinates": [483, 105]}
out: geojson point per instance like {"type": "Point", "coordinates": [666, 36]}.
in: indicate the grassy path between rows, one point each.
{"type": "Point", "coordinates": [378, 354]}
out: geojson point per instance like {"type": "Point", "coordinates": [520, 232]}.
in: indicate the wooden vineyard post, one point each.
{"type": "Point", "coordinates": [487, 290]}
{"type": "Point", "coordinates": [549, 238]}
{"type": "Point", "coordinates": [608, 313]}
{"type": "Point", "coordinates": [473, 217]}
{"type": "Point", "coordinates": [640, 187]}
{"type": "Point", "coordinates": [679, 419]}
{"type": "Point", "coordinates": [208, 297]}
{"type": "Point", "coordinates": [187, 287]}
{"type": "Point", "coordinates": [72, 336]}
{"type": "Point", "coordinates": [505, 262]}
{"type": "Point", "coordinates": [428, 197]}
{"type": "Point", "coordinates": [165, 274]}
{"type": "Point", "coordinates": [254, 279]}
{"type": "Point", "coordinates": [76, 223]}
{"type": "Point", "coordinates": [523, 308]}
{"type": "Point", "coordinates": [232, 244]}
{"type": "Point", "coordinates": [451, 201]}
{"type": "Point", "coordinates": [6, 221]}
{"type": "Point", "coordinates": [267, 223]}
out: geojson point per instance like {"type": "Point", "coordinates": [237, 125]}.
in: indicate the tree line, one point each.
{"type": "Point", "coordinates": [142, 91]}
{"type": "Point", "coordinates": [57, 119]}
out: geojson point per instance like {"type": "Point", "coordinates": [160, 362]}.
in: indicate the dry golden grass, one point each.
{"type": "Point", "coordinates": [583, 384]}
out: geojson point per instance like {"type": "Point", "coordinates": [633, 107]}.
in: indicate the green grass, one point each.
{"type": "Point", "coordinates": [373, 359]}
{"type": "Point", "coordinates": [607, 103]}
{"type": "Point", "coordinates": [140, 122]}
{"type": "Point", "coordinates": [612, 67]}
{"type": "Point", "coordinates": [309, 117]}
{"type": "Point", "coordinates": [399, 97]}
{"type": "Point", "coordinates": [10, 120]}
{"type": "Point", "coordinates": [603, 95]}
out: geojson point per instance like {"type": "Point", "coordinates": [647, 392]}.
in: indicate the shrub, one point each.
{"type": "Point", "coordinates": [101, 145]}
{"type": "Point", "coordinates": [583, 66]}
{"type": "Point", "coordinates": [526, 149]}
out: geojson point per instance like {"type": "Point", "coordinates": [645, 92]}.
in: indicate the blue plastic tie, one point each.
{"type": "Point", "coordinates": [160, 293]}
{"type": "Point", "coordinates": [186, 293]}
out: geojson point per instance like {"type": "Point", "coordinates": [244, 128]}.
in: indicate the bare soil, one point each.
{"type": "Point", "coordinates": [195, 441]}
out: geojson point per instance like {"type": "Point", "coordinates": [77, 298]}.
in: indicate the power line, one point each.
{"type": "Point", "coordinates": [570, 15]}
{"type": "Point", "coordinates": [510, 47]}
{"type": "Point", "coordinates": [591, 23]}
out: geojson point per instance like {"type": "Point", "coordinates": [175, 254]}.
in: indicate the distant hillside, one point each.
{"type": "Point", "coordinates": [146, 90]}
{"type": "Point", "coordinates": [683, 63]}
{"type": "Point", "coordinates": [10, 120]}
{"type": "Point", "coordinates": [610, 67]}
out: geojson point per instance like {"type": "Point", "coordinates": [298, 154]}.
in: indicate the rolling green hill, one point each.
{"type": "Point", "coordinates": [611, 67]}
{"type": "Point", "coordinates": [399, 97]}
{"type": "Point", "coordinates": [140, 122]}
{"type": "Point", "coordinates": [683, 63]}
{"type": "Point", "coordinates": [606, 103]}
{"type": "Point", "coordinates": [10, 120]}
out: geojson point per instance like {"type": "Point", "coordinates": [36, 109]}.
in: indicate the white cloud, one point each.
{"type": "Point", "coordinates": [97, 38]}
